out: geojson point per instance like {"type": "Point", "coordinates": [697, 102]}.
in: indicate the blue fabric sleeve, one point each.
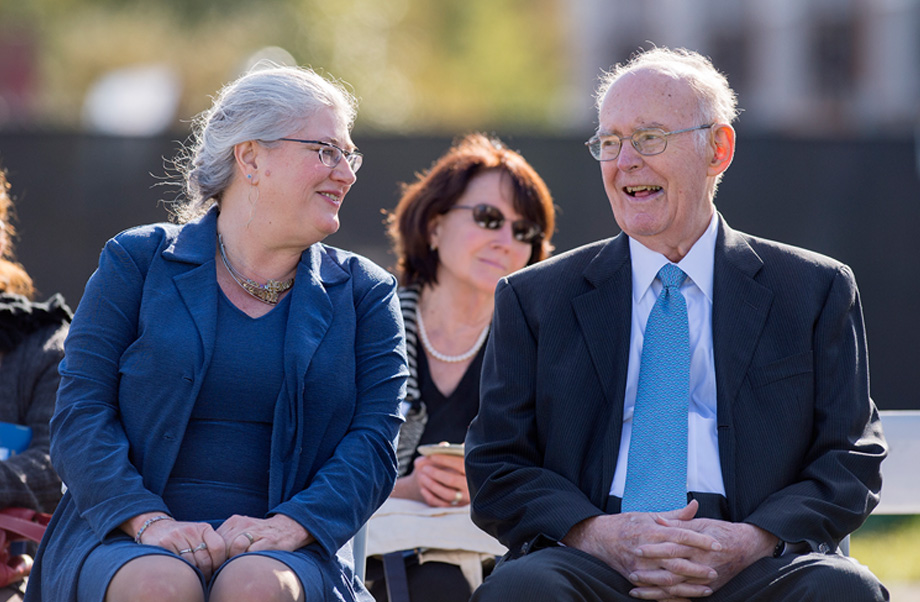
{"type": "Point", "coordinates": [89, 447]}
{"type": "Point", "coordinates": [360, 475]}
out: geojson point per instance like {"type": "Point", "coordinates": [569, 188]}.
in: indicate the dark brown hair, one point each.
{"type": "Point", "coordinates": [13, 277]}
{"type": "Point", "coordinates": [436, 190]}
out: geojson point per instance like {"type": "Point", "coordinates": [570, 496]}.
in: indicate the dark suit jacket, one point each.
{"type": "Point", "coordinates": [135, 359]}
{"type": "Point", "coordinates": [800, 441]}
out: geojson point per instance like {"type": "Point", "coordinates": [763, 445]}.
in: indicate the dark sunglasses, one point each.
{"type": "Point", "coordinates": [490, 217]}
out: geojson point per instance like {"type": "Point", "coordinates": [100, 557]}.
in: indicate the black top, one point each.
{"type": "Point", "coordinates": [449, 417]}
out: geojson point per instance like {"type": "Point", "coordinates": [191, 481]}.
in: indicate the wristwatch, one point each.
{"type": "Point", "coordinates": [779, 549]}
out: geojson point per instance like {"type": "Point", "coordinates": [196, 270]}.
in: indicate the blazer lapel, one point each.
{"type": "Point", "coordinates": [739, 312]}
{"type": "Point", "coordinates": [192, 255]}
{"type": "Point", "coordinates": [311, 308]}
{"type": "Point", "coordinates": [311, 315]}
{"type": "Point", "coordinates": [198, 289]}
{"type": "Point", "coordinates": [604, 315]}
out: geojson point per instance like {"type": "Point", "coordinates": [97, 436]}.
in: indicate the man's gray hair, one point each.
{"type": "Point", "coordinates": [717, 101]}
{"type": "Point", "coordinates": [266, 103]}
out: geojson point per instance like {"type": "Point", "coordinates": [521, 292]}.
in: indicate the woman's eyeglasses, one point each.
{"type": "Point", "coordinates": [490, 217]}
{"type": "Point", "coordinates": [330, 154]}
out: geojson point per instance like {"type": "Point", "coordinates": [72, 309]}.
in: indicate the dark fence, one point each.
{"type": "Point", "coordinates": [856, 200]}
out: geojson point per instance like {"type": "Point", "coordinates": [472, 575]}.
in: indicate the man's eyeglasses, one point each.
{"type": "Point", "coordinates": [490, 217]}
{"type": "Point", "coordinates": [647, 141]}
{"type": "Point", "coordinates": [330, 154]}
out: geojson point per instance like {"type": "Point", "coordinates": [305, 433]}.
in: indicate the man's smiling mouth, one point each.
{"type": "Point", "coordinates": [641, 191]}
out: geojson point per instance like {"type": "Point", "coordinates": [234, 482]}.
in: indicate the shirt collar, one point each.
{"type": "Point", "coordinates": [697, 263]}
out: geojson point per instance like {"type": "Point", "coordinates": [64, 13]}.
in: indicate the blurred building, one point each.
{"type": "Point", "coordinates": [18, 86]}
{"type": "Point", "coordinates": [800, 67]}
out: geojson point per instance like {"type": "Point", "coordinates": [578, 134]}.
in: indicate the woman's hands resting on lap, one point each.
{"type": "Point", "coordinates": [180, 536]}
{"type": "Point", "coordinates": [278, 532]}
{"type": "Point", "coordinates": [435, 480]}
{"type": "Point", "coordinates": [185, 539]}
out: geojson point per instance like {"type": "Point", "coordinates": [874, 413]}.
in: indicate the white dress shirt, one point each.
{"type": "Point", "coordinates": [704, 473]}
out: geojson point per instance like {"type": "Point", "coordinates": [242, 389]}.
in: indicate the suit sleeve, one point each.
{"type": "Point", "coordinates": [840, 479]}
{"type": "Point", "coordinates": [515, 497]}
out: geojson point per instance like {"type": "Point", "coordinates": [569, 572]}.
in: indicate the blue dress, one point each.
{"type": "Point", "coordinates": [143, 343]}
{"type": "Point", "coordinates": [223, 463]}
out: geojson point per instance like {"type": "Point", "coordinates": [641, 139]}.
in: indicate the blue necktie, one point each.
{"type": "Point", "coordinates": [656, 476]}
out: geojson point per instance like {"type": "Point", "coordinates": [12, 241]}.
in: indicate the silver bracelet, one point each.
{"type": "Point", "coordinates": [147, 523]}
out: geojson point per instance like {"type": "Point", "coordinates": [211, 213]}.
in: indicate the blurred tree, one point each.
{"type": "Point", "coordinates": [417, 65]}
{"type": "Point", "coordinates": [500, 62]}
{"type": "Point", "coordinates": [445, 65]}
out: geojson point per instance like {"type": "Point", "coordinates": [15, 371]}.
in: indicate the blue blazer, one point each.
{"type": "Point", "coordinates": [800, 443]}
{"type": "Point", "coordinates": [135, 359]}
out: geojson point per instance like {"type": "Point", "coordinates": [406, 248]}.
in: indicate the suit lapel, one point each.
{"type": "Point", "coordinates": [740, 309]}
{"type": "Point", "coordinates": [604, 316]}
{"type": "Point", "coordinates": [739, 313]}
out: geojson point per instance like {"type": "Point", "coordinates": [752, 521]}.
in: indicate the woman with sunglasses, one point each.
{"type": "Point", "coordinates": [478, 214]}
{"type": "Point", "coordinates": [230, 392]}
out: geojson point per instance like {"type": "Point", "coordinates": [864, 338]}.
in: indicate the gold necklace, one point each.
{"type": "Point", "coordinates": [266, 293]}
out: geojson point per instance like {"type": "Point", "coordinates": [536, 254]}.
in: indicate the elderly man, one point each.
{"type": "Point", "coordinates": [683, 410]}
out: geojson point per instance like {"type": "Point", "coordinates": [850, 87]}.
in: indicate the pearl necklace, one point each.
{"type": "Point", "coordinates": [450, 359]}
{"type": "Point", "coordinates": [266, 293]}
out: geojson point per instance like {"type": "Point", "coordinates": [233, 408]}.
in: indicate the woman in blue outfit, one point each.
{"type": "Point", "coordinates": [230, 389]}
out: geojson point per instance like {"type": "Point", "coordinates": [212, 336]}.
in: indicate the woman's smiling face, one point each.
{"type": "Point", "coordinates": [298, 193]}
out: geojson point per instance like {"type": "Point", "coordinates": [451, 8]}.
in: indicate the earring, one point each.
{"type": "Point", "coordinates": [249, 176]}
{"type": "Point", "coordinates": [253, 196]}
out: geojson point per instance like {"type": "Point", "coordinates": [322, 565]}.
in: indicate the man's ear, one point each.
{"type": "Point", "coordinates": [722, 147]}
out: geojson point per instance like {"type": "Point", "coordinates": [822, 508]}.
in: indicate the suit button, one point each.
{"type": "Point", "coordinates": [525, 548]}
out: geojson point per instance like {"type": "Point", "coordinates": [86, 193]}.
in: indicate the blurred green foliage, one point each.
{"type": "Point", "coordinates": [417, 65]}
{"type": "Point", "coordinates": [889, 546]}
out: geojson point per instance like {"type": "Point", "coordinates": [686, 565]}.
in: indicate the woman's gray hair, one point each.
{"type": "Point", "coordinates": [717, 101]}
{"type": "Point", "coordinates": [266, 103]}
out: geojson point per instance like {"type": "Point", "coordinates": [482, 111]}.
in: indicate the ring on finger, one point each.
{"type": "Point", "coordinates": [249, 536]}
{"type": "Point", "coordinates": [201, 546]}
{"type": "Point", "coordinates": [185, 551]}
{"type": "Point", "coordinates": [457, 497]}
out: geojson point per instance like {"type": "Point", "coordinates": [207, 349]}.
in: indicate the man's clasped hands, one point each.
{"type": "Point", "coordinates": [672, 556]}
